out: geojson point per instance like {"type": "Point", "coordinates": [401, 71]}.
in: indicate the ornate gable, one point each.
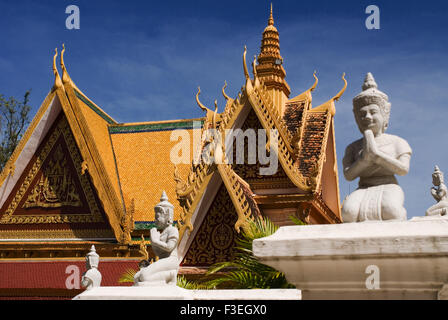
{"type": "Point", "coordinates": [215, 238]}
{"type": "Point", "coordinates": [54, 197]}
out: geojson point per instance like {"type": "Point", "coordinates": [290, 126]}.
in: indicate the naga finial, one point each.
{"type": "Point", "coordinates": [57, 78]}
{"type": "Point", "coordinates": [203, 108]}
{"type": "Point", "coordinates": [223, 92]}
{"type": "Point", "coordinates": [215, 115]}
{"type": "Point", "coordinates": [65, 77]}
{"type": "Point", "coordinates": [254, 66]}
{"type": "Point", "coordinates": [315, 81]}
{"type": "Point", "coordinates": [246, 72]}
{"type": "Point", "coordinates": [336, 97]}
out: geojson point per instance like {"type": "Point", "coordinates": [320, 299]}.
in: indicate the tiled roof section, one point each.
{"type": "Point", "coordinates": [143, 160]}
{"type": "Point", "coordinates": [54, 274]}
{"type": "Point", "coordinates": [98, 123]}
{"type": "Point", "coordinates": [95, 108]}
{"type": "Point", "coordinates": [293, 115]}
{"type": "Point", "coordinates": [313, 139]}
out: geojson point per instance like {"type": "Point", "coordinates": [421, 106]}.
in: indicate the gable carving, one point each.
{"type": "Point", "coordinates": [53, 188]}
{"type": "Point", "coordinates": [216, 236]}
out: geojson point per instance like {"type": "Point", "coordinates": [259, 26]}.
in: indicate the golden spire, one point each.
{"type": "Point", "coordinates": [270, 69]}
{"type": "Point", "coordinates": [271, 18]}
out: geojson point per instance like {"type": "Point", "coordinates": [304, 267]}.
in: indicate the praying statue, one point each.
{"type": "Point", "coordinates": [164, 239]}
{"type": "Point", "coordinates": [375, 159]}
{"type": "Point", "coordinates": [92, 277]}
{"type": "Point", "coordinates": [439, 193]}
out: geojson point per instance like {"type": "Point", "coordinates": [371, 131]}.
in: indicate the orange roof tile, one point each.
{"type": "Point", "coordinates": [98, 123]}
{"type": "Point", "coordinates": [142, 153]}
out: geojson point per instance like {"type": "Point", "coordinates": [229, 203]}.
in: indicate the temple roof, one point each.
{"type": "Point", "coordinates": [142, 157]}
{"type": "Point", "coordinates": [129, 164]}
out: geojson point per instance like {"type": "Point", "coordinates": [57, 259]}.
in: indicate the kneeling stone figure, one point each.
{"type": "Point", "coordinates": [375, 159]}
{"type": "Point", "coordinates": [164, 244]}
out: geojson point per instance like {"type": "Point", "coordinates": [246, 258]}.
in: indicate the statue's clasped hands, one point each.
{"type": "Point", "coordinates": [155, 235]}
{"type": "Point", "coordinates": [370, 151]}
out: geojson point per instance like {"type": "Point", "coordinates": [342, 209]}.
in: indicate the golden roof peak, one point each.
{"type": "Point", "coordinates": [271, 18]}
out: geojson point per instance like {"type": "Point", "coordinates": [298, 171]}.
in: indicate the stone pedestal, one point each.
{"type": "Point", "coordinates": [177, 293]}
{"type": "Point", "coordinates": [368, 260]}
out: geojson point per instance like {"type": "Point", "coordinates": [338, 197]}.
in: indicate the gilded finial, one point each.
{"type": "Point", "coordinates": [214, 114]}
{"type": "Point", "coordinates": [55, 70]}
{"type": "Point", "coordinates": [65, 76]}
{"type": "Point", "coordinates": [336, 98]}
{"type": "Point", "coordinates": [246, 72]}
{"type": "Point", "coordinates": [254, 66]}
{"type": "Point", "coordinates": [223, 92]}
{"type": "Point", "coordinates": [57, 78]}
{"type": "Point", "coordinates": [329, 105]}
{"type": "Point", "coordinates": [315, 81]}
{"type": "Point", "coordinates": [271, 18]}
{"type": "Point", "coordinates": [203, 108]}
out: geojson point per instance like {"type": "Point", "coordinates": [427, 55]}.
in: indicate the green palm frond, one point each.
{"type": "Point", "coordinates": [296, 220]}
{"type": "Point", "coordinates": [191, 285]}
{"type": "Point", "coordinates": [245, 270]}
{"type": "Point", "coordinates": [128, 276]}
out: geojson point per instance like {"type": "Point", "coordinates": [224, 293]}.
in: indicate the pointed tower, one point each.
{"type": "Point", "coordinates": [270, 69]}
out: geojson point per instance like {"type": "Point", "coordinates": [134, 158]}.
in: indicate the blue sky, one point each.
{"type": "Point", "coordinates": [143, 61]}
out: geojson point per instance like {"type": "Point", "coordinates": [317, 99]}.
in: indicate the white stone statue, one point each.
{"type": "Point", "coordinates": [164, 244]}
{"type": "Point", "coordinates": [92, 277]}
{"type": "Point", "coordinates": [439, 192]}
{"type": "Point", "coordinates": [375, 159]}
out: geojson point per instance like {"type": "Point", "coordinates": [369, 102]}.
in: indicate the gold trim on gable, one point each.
{"type": "Point", "coordinates": [61, 129]}
{"type": "Point", "coordinates": [56, 234]}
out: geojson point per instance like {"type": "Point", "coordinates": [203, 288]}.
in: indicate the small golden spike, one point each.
{"type": "Point", "coordinates": [203, 108]}
{"type": "Point", "coordinates": [315, 81]}
{"type": "Point", "coordinates": [246, 72]}
{"type": "Point", "coordinates": [65, 77]}
{"type": "Point", "coordinates": [271, 18]}
{"type": "Point", "coordinates": [336, 97]}
{"type": "Point", "coordinates": [57, 78]}
{"type": "Point", "coordinates": [224, 93]}
{"type": "Point", "coordinates": [254, 66]}
{"type": "Point", "coordinates": [214, 114]}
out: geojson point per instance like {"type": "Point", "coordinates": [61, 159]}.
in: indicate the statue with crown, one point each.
{"type": "Point", "coordinates": [164, 239]}
{"type": "Point", "coordinates": [92, 277]}
{"type": "Point", "coordinates": [375, 159]}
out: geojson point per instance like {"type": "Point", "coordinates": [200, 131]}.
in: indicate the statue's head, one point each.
{"type": "Point", "coordinates": [437, 176]}
{"type": "Point", "coordinates": [92, 258]}
{"type": "Point", "coordinates": [371, 107]}
{"type": "Point", "coordinates": [164, 212]}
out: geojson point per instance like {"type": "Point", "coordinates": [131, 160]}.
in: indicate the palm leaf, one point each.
{"type": "Point", "coordinates": [128, 276]}
{"type": "Point", "coordinates": [245, 270]}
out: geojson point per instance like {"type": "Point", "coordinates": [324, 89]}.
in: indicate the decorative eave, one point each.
{"type": "Point", "coordinates": [270, 119]}
{"type": "Point", "coordinates": [113, 207]}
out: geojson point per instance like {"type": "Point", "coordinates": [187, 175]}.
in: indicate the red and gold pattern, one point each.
{"type": "Point", "coordinates": [216, 236]}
